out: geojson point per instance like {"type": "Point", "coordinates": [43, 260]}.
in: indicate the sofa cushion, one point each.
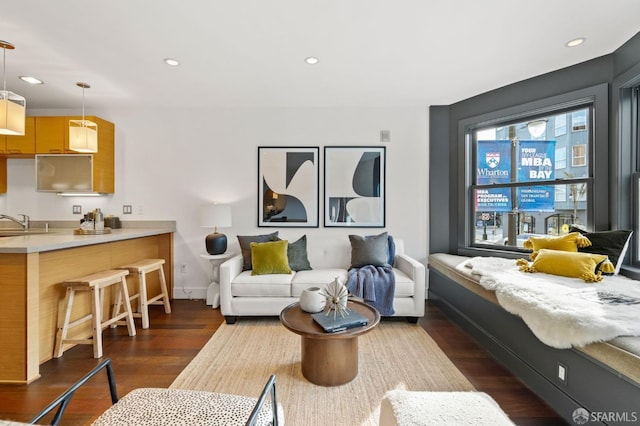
{"type": "Point", "coordinates": [369, 250]}
{"type": "Point", "coordinates": [297, 254]}
{"type": "Point", "coordinates": [270, 285]}
{"type": "Point", "coordinates": [269, 258]}
{"type": "Point", "coordinates": [245, 246]}
{"type": "Point", "coordinates": [315, 278]}
{"type": "Point", "coordinates": [405, 286]}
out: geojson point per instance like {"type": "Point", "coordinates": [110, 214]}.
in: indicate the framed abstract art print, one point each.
{"type": "Point", "coordinates": [288, 186]}
{"type": "Point", "coordinates": [354, 186]}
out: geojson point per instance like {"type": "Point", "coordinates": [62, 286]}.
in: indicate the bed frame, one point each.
{"type": "Point", "coordinates": [608, 396]}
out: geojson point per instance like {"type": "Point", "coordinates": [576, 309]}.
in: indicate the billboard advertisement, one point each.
{"type": "Point", "coordinates": [494, 166]}
{"type": "Point", "coordinates": [535, 162]}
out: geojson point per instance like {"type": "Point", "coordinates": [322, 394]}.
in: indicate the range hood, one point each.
{"type": "Point", "coordinates": [65, 174]}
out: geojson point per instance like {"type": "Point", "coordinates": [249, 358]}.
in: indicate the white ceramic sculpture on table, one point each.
{"type": "Point", "coordinates": [312, 300]}
{"type": "Point", "coordinates": [336, 298]}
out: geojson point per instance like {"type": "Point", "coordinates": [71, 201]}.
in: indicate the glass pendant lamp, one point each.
{"type": "Point", "coordinates": [83, 134]}
{"type": "Point", "coordinates": [12, 106]}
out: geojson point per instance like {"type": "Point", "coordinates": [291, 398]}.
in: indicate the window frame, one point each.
{"type": "Point", "coordinates": [634, 123]}
{"type": "Point", "coordinates": [594, 96]}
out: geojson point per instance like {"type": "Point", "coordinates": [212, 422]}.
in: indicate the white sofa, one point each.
{"type": "Point", "coordinates": [243, 294]}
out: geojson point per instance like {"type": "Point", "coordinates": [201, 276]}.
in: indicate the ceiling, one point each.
{"type": "Point", "coordinates": [250, 53]}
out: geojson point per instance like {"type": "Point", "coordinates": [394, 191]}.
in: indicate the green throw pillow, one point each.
{"type": "Point", "coordinates": [370, 250]}
{"type": "Point", "coordinates": [297, 254]}
{"type": "Point", "coordinates": [245, 246]}
{"type": "Point", "coordinates": [269, 258]}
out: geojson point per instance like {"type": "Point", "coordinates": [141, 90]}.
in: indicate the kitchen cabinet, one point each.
{"type": "Point", "coordinates": [104, 159]}
{"type": "Point", "coordinates": [50, 135]}
{"type": "Point", "coordinates": [21, 146]}
{"type": "Point", "coordinates": [3, 175]}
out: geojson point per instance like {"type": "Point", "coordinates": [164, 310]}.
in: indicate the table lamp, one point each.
{"type": "Point", "coordinates": [216, 216]}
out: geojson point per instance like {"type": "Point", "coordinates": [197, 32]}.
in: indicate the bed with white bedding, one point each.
{"type": "Point", "coordinates": [540, 325]}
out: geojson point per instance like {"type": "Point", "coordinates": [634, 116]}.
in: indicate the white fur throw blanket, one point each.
{"type": "Point", "coordinates": [562, 312]}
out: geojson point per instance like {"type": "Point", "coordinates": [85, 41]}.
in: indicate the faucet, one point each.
{"type": "Point", "coordinates": [24, 222]}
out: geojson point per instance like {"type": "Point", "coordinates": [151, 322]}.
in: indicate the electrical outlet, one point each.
{"type": "Point", "coordinates": [139, 210]}
{"type": "Point", "coordinates": [126, 209]}
{"type": "Point", "coordinates": [183, 268]}
{"type": "Point", "coordinates": [77, 209]}
{"type": "Point", "coordinates": [385, 136]}
{"type": "Point", "coordinates": [562, 373]}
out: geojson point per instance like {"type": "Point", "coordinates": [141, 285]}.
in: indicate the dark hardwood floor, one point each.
{"type": "Point", "coordinates": [157, 355]}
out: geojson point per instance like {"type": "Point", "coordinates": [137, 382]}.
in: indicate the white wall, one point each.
{"type": "Point", "coordinates": [170, 162]}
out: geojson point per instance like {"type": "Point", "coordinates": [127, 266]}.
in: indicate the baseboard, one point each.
{"type": "Point", "coordinates": [180, 292]}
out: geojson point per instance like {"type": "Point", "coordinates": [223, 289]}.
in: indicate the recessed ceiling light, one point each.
{"type": "Point", "coordinates": [172, 62]}
{"type": "Point", "coordinates": [576, 42]}
{"type": "Point", "coordinates": [30, 80]}
{"type": "Point", "coordinates": [311, 60]}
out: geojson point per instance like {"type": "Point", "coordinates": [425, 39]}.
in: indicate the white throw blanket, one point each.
{"type": "Point", "coordinates": [562, 312]}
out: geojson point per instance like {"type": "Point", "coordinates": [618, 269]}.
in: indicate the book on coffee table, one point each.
{"type": "Point", "coordinates": [339, 323]}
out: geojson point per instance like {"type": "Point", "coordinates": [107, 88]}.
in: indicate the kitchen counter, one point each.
{"type": "Point", "coordinates": [33, 268]}
{"type": "Point", "coordinates": [59, 238]}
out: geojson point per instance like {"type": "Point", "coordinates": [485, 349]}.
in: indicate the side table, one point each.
{"type": "Point", "coordinates": [213, 291]}
{"type": "Point", "coordinates": [328, 359]}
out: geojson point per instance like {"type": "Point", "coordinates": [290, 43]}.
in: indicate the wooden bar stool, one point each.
{"type": "Point", "coordinates": [95, 283]}
{"type": "Point", "coordinates": [142, 268]}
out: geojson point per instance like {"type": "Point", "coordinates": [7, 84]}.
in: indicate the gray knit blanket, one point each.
{"type": "Point", "coordinates": [375, 284]}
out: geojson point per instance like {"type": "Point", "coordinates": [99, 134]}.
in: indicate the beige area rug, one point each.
{"type": "Point", "coordinates": [239, 359]}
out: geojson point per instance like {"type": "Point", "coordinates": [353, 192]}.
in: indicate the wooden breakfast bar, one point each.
{"type": "Point", "coordinates": [32, 268]}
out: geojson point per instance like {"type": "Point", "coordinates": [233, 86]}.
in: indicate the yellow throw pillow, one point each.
{"type": "Point", "coordinates": [569, 242]}
{"type": "Point", "coordinates": [587, 266]}
{"type": "Point", "coordinates": [269, 258]}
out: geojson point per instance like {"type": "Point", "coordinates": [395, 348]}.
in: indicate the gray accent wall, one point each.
{"type": "Point", "coordinates": [447, 153]}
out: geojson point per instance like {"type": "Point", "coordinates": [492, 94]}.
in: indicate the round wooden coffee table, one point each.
{"type": "Point", "coordinates": [328, 359]}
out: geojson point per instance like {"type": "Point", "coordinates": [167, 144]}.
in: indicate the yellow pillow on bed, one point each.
{"type": "Point", "coordinates": [570, 242]}
{"type": "Point", "coordinates": [587, 266]}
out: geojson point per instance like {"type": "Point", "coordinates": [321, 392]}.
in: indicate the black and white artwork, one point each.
{"type": "Point", "coordinates": [288, 186]}
{"type": "Point", "coordinates": [354, 186]}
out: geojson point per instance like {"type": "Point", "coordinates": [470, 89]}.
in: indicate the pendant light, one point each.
{"type": "Point", "coordinates": [83, 134]}
{"type": "Point", "coordinates": [12, 105]}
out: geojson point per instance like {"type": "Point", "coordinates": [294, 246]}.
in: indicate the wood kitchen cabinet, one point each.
{"type": "Point", "coordinates": [50, 135]}
{"type": "Point", "coordinates": [20, 146]}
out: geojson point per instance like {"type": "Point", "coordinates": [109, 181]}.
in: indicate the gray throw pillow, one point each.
{"type": "Point", "coordinates": [245, 246]}
{"type": "Point", "coordinates": [370, 250]}
{"type": "Point", "coordinates": [297, 254]}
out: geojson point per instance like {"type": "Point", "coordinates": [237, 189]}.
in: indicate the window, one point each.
{"type": "Point", "coordinates": [522, 177]}
{"type": "Point", "coordinates": [561, 158]}
{"type": "Point", "coordinates": [560, 127]}
{"type": "Point", "coordinates": [579, 155]}
{"type": "Point", "coordinates": [578, 121]}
